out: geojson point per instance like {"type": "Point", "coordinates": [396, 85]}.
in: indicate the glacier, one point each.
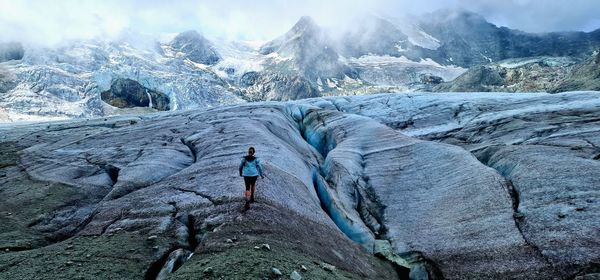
{"type": "Point", "coordinates": [454, 185]}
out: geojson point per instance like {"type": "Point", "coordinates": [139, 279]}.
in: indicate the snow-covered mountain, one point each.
{"type": "Point", "coordinates": [302, 63]}
{"type": "Point", "coordinates": [467, 39]}
{"type": "Point", "coordinates": [193, 46]}
{"type": "Point", "coordinates": [67, 81]}
{"type": "Point", "coordinates": [98, 77]}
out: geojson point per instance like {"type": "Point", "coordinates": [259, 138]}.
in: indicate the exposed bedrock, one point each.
{"type": "Point", "coordinates": [11, 51]}
{"type": "Point", "coordinates": [193, 46]}
{"type": "Point", "coordinates": [126, 93]}
{"type": "Point", "coordinates": [8, 80]}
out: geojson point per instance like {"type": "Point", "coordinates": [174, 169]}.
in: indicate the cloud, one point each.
{"type": "Point", "coordinates": [51, 22]}
{"type": "Point", "coordinates": [540, 15]}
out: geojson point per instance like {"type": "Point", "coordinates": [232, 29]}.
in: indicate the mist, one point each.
{"type": "Point", "coordinates": [52, 22]}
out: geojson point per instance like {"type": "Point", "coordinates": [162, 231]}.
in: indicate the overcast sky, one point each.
{"type": "Point", "coordinates": [50, 22]}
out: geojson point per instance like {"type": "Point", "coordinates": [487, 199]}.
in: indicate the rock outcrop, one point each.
{"type": "Point", "coordinates": [583, 76]}
{"type": "Point", "coordinates": [125, 93]}
{"type": "Point", "coordinates": [11, 51]}
{"type": "Point", "coordinates": [7, 80]}
{"type": "Point", "coordinates": [540, 74]}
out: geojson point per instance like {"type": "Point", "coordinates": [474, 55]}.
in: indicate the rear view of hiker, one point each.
{"type": "Point", "coordinates": [250, 168]}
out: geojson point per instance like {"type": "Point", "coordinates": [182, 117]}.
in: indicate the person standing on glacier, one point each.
{"type": "Point", "coordinates": [250, 169]}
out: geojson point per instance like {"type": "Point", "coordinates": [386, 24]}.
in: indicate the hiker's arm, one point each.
{"type": "Point", "coordinates": [241, 166]}
{"type": "Point", "coordinates": [259, 167]}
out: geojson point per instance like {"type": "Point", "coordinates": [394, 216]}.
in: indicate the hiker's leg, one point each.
{"type": "Point", "coordinates": [248, 182]}
{"type": "Point", "coordinates": [252, 189]}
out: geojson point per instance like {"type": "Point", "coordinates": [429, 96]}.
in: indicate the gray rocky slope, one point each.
{"type": "Point", "coordinates": [451, 186]}
{"type": "Point", "coordinates": [537, 74]}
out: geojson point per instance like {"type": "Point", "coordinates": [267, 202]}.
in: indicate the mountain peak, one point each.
{"type": "Point", "coordinates": [457, 13]}
{"type": "Point", "coordinates": [305, 23]}
{"type": "Point", "coordinates": [304, 30]}
{"type": "Point", "coordinates": [196, 47]}
{"type": "Point", "coordinates": [460, 17]}
{"type": "Point", "coordinates": [188, 35]}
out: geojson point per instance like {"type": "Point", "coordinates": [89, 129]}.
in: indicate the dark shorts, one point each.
{"type": "Point", "coordinates": [250, 181]}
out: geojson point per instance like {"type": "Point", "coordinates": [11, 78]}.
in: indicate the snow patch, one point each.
{"type": "Point", "coordinates": [331, 83]}
{"type": "Point", "coordinates": [277, 58]}
{"type": "Point", "coordinates": [239, 66]}
{"type": "Point", "coordinates": [400, 48]}
{"type": "Point", "coordinates": [254, 44]}
{"type": "Point", "coordinates": [551, 61]}
{"type": "Point", "coordinates": [416, 35]}
{"type": "Point", "coordinates": [18, 117]}
{"type": "Point", "coordinates": [197, 65]}
{"type": "Point", "coordinates": [372, 60]}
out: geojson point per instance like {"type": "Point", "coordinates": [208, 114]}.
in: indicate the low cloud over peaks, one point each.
{"type": "Point", "coordinates": [50, 22]}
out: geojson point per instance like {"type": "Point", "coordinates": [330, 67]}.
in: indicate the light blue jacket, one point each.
{"type": "Point", "coordinates": [250, 168]}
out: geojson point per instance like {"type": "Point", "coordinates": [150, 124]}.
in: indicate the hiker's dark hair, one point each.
{"type": "Point", "coordinates": [251, 150]}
